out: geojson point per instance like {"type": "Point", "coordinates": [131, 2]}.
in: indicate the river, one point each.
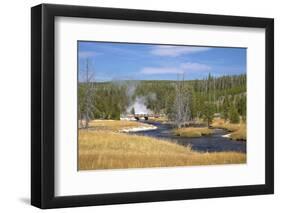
{"type": "Point", "coordinates": [210, 143]}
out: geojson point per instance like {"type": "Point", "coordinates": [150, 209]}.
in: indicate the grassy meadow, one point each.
{"type": "Point", "coordinates": [105, 147]}
{"type": "Point", "coordinates": [115, 125]}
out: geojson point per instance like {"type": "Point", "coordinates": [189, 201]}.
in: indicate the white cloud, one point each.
{"type": "Point", "coordinates": [195, 67]}
{"type": "Point", "coordinates": [164, 50]}
{"type": "Point", "coordinates": [182, 68]}
{"type": "Point", "coordinates": [87, 54]}
{"type": "Point", "coordinates": [160, 70]}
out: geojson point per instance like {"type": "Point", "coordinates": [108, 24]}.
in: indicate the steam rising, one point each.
{"type": "Point", "coordinates": [140, 106]}
{"type": "Point", "coordinates": [139, 103]}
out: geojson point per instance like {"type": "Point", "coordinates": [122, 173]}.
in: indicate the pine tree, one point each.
{"type": "Point", "coordinates": [225, 108]}
{"type": "Point", "coordinates": [234, 115]}
{"type": "Point", "coordinates": [208, 112]}
{"type": "Point", "coordinates": [133, 111]}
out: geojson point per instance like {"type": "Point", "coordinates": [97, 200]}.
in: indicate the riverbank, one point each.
{"type": "Point", "coordinates": [138, 129]}
{"type": "Point", "coordinates": [120, 126]}
{"type": "Point", "coordinates": [99, 149]}
{"type": "Point", "coordinates": [237, 132]}
{"type": "Point", "coordinates": [193, 132]}
{"type": "Point", "coordinates": [215, 142]}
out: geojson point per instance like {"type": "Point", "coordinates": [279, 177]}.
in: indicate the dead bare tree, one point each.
{"type": "Point", "coordinates": [87, 112]}
{"type": "Point", "coordinates": [181, 113]}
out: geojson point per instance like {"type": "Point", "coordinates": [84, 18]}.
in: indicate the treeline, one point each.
{"type": "Point", "coordinates": [224, 96]}
{"type": "Point", "coordinates": [108, 101]}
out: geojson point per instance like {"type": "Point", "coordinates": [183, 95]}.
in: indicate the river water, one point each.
{"type": "Point", "coordinates": [210, 143]}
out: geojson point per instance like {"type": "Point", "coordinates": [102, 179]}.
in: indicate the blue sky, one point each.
{"type": "Point", "coordinates": [122, 61]}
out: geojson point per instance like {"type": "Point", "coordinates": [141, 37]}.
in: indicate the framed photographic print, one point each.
{"type": "Point", "coordinates": [139, 106]}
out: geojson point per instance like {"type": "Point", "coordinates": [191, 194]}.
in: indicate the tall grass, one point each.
{"type": "Point", "coordinates": [112, 150]}
{"type": "Point", "coordinates": [238, 131]}
{"type": "Point", "coordinates": [115, 125]}
{"type": "Point", "coordinates": [193, 132]}
{"type": "Point", "coordinates": [162, 119]}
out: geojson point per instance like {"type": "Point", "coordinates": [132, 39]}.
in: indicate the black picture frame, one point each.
{"type": "Point", "coordinates": [43, 102]}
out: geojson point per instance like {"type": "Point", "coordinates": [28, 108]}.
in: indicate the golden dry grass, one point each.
{"type": "Point", "coordinates": [160, 119]}
{"type": "Point", "coordinates": [114, 125]}
{"type": "Point", "coordinates": [238, 131]}
{"type": "Point", "coordinates": [240, 134]}
{"type": "Point", "coordinates": [112, 150]}
{"type": "Point", "coordinates": [192, 132]}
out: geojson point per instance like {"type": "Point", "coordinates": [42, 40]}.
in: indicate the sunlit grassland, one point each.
{"type": "Point", "coordinates": [162, 119]}
{"type": "Point", "coordinates": [238, 131]}
{"type": "Point", "coordinates": [239, 134]}
{"type": "Point", "coordinates": [192, 132]}
{"type": "Point", "coordinates": [114, 125]}
{"type": "Point", "coordinates": [113, 150]}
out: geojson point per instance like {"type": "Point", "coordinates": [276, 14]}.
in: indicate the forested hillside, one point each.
{"type": "Point", "coordinates": [181, 101]}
